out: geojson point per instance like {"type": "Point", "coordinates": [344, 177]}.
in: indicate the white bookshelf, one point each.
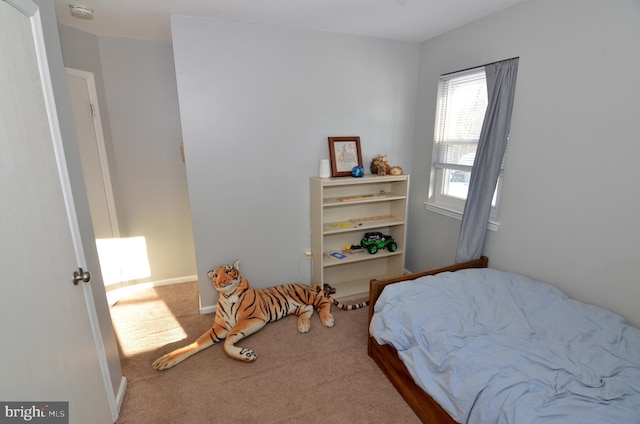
{"type": "Point", "coordinates": [342, 211]}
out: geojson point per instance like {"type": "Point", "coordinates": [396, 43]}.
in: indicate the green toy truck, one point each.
{"type": "Point", "coordinates": [375, 241]}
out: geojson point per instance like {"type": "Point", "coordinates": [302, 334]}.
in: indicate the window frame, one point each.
{"type": "Point", "coordinates": [438, 200]}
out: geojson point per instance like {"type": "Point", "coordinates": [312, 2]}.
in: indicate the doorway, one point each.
{"type": "Point", "coordinates": [121, 259]}
{"type": "Point", "coordinates": [97, 178]}
{"type": "Point", "coordinates": [95, 166]}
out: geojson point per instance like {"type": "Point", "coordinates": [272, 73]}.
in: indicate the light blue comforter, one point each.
{"type": "Point", "coordinates": [491, 346]}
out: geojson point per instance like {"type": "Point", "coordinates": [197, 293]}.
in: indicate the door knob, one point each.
{"type": "Point", "coordinates": [81, 275]}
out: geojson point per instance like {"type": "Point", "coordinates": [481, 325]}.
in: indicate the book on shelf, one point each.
{"type": "Point", "coordinates": [360, 197]}
{"type": "Point", "coordinates": [353, 251]}
{"type": "Point", "coordinates": [335, 254]}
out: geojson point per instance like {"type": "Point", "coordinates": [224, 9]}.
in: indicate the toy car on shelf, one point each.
{"type": "Point", "coordinates": [375, 241]}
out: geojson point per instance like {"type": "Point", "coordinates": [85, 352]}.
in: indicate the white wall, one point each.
{"type": "Point", "coordinates": [142, 100]}
{"type": "Point", "coordinates": [257, 105]}
{"type": "Point", "coordinates": [137, 92]}
{"type": "Point", "coordinates": [569, 207]}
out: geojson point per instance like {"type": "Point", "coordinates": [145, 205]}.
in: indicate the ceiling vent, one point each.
{"type": "Point", "coordinates": [81, 11]}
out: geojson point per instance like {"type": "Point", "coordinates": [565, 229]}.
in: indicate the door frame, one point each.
{"type": "Point", "coordinates": [89, 79]}
{"type": "Point", "coordinates": [95, 170]}
{"type": "Point", "coordinates": [32, 12]}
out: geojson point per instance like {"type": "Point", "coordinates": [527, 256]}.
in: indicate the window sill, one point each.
{"type": "Point", "coordinates": [452, 213]}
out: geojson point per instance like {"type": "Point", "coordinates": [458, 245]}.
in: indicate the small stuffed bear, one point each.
{"type": "Point", "coordinates": [380, 165]}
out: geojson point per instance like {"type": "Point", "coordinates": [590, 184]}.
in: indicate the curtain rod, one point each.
{"type": "Point", "coordinates": [480, 66]}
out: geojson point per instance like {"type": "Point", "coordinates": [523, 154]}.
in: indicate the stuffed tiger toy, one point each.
{"type": "Point", "coordinates": [243, 310]}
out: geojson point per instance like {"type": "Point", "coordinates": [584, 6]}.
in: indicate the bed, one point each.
{"type": "Point", "coordinates": [467, 343]}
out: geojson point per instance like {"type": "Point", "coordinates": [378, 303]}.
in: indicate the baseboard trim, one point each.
{"type": "Point", "coordinates": [114, 295]}
{"type": "Point", "coordinates": [177, 280]}
{"type": "Point", "coordinates": [204, 310]}
{"type": "Point", "coordinates": [120, 395]}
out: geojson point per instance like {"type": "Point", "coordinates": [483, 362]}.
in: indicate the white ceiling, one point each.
{"type": "Point", "coordinates": [405, 20]}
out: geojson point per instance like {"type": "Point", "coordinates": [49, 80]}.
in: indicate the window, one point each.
{"type": "Point", "coordinates": [462, 101]}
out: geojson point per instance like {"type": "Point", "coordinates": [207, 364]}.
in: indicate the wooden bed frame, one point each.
{"type": "Point", "coordinates": [387, 359]}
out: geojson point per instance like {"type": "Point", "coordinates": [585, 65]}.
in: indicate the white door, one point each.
{"type": "Point", "coordinates": [95, 167]}
{"type": "Point", "coordinates": [97, 179]}
{"type": "Point", "coordinates": [50, 349]}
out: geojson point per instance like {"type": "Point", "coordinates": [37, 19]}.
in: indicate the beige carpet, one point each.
{"type": "Point", "coordinates": [324, 376]}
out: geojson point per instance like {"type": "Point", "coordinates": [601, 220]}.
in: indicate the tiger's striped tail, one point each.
{"type": "Point", "coordinates": [339, 304]}
{"type": "Point", "coordinates": [348, 307]}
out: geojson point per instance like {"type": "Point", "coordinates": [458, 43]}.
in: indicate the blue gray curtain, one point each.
{"type": "Point", "coordinates": [501, 84]}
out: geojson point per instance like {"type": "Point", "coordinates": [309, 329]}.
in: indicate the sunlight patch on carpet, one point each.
{"type": "Point", "coordinates": [145, 325]}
